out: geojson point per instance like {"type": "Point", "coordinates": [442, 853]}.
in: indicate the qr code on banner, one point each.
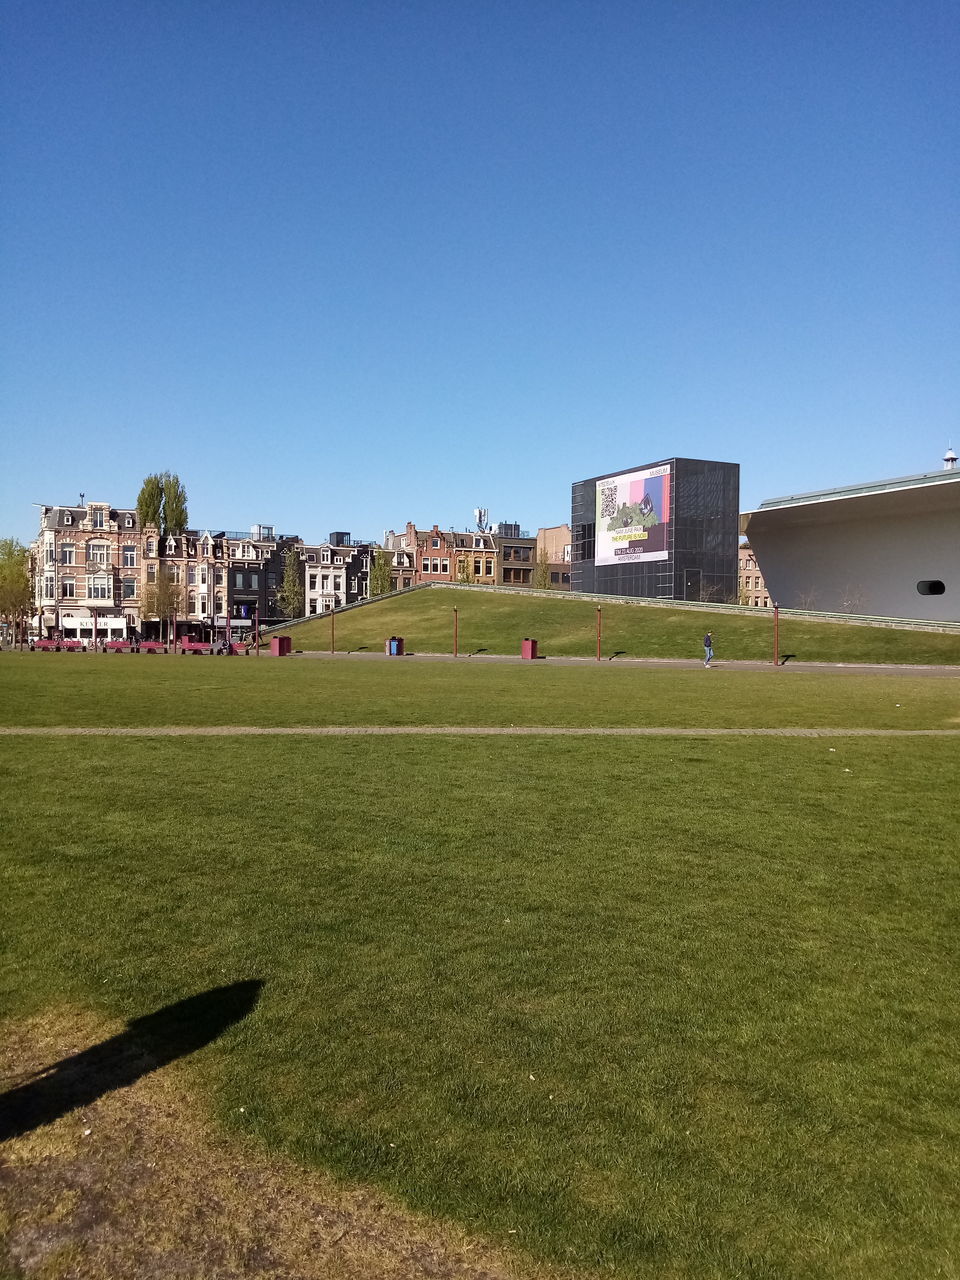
{"type": "Point", "coordinates": [608, 501]}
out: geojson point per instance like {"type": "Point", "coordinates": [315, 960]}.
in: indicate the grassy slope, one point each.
{"type": "Point", "coordinates": [689, 1008]}
{"type": "Point", "coordinates": [72, 689]}
{"type": "Point", "coordinates": [497, 622]}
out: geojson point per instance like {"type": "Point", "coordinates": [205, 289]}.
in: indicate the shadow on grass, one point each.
{"type": "Point", "coordinates": [147, 1044]}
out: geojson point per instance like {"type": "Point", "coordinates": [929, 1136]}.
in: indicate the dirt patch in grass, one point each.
{"type": "Point", "coordinates": [141, 1184]}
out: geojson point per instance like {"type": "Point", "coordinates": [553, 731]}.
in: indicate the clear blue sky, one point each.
{"type": "Point", "coordinates": [345, 263]}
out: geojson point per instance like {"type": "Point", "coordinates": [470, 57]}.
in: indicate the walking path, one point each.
{"type": "Point", "coordinates": [450, 731]}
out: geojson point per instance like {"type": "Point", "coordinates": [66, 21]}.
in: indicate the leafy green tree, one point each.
{"type": "Point", "coordinates": [465, 570]}
{"type": "Point", "coordinates": [290, 595]}
{"type": "Point", "coordinates": [174, 504]}
{"type": "Point", "coordinates": [16, 595]}
{"type": "Point", "coordinates": [150, 502]}
{"type": "Point", "coordinates": [162, 598]}
{"type": "Point", "coordinates": [163, 501]}
{"type": "Point", "coordinates": [381, 579]}
{"type": "Point", "coordinates": [541, 572]}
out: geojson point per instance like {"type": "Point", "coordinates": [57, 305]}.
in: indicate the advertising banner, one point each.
{"type": "Point", "coordinates": [633, 516]}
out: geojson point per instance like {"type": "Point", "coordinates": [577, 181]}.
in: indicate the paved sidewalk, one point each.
{"type": "Point", "coordinates": [674, 664]}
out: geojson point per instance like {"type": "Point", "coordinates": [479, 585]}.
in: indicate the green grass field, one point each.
{"type": "Point", "coordinates": [673, 1007]}
{"type": "Point", "coordinates": [496, 622]}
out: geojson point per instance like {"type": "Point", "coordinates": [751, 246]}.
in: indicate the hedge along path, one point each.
{"type": "Point", "coordinates": [451, 731]}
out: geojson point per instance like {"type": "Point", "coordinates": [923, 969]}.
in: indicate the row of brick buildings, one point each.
{"type": "Point", "coordinates": [96, 572]}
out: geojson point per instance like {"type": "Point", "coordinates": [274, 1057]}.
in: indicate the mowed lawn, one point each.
{"type": "Point", "coordinates": [678, 1007]}
{"type": "Point", "coordinates": [129, 690]}
{"type": "Point", "coordinates": [491, 621]}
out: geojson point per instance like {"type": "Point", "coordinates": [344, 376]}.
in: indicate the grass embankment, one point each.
{"type": "Point", "coordinates": [683, 1008]}
{"type": "Point", "coordinates": [95, 690]}
{"type": "Point", "coordinates": [494, 622]}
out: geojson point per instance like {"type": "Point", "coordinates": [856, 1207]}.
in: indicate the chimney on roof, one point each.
{"type": "Point", "coordinates": [949, 460]}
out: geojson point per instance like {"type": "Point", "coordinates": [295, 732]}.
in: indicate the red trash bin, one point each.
{"type": "Point", "coordinates": [528, 648]}
{"type": "Point", "coordinates": [280, 646]}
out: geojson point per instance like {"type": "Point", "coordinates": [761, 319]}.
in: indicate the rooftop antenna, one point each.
{"type": "Point", "coordinates": [82, 496]}
{"type": "Point", "coordinates": [949, 460]}
{"type": "Point", "coordinates": [480, 515]}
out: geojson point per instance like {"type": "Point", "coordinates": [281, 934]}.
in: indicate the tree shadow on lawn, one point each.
{"type": "Point", "coordinates": [147, 1044]}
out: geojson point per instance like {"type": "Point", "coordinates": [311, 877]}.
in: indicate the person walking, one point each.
{"type": "Point", "coordinates": [708, 649]}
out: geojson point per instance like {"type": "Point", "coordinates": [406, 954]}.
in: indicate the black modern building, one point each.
{"type": "Point", "coordinates": [667, 530]}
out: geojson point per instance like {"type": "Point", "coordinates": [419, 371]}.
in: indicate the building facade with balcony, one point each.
{"type": "Point", "coordinates": [87, 563]}
{"type": "Point", "coordinates": [335, 572]}
{"type": "Point", "coordinates": [753, 591]}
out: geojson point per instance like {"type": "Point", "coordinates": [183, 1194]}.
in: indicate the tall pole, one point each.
{"type": "Point", "coordinates": [776, 635]}
{"type": "Point", "coordinates": [333, 629]}
{"type": "Point", "coordinates": [174, 631]}
{"type": "Point", "coordinates": [456, 631]}
{"type": "Point", "coordinates": [599, 629]}
{"type": "Point", "coordinates": [94, 630]}
{"type": "Point", "coordinates": [257, 625]}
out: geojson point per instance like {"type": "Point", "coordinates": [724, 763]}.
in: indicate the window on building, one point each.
{"type": "Point", "coordinates": [406, 582]}
{"type": "Point", "coordinates": [313, 606]}
{"type": "Point", "coordinates": [254, 580]}
{"type": "Point", "coordinates": [218, 579]}
{"type": "Point", "coordinates": [436, 544]}
{"type": "Point", "coordinates": [49, 586]}
{"type": "Point", "coordinates": [203, 575]}
{"type": "Point", "coordinates": [203, 605]}
{"type": "Point", "coordinates": [175, 574]}
{"type": "Point", "coordinates": [312, 581]}
{"type": "Point", "coordinates": [151, 573]}
{"type": "Point", "coordinates": [192, 602]}
{"type": "Point", "coordinates": [97, 518]}
{"type": "Point", "coordinates": [67, 553]}
{"type": "Point", "coordinates": [311, 557]}
{"type": "Point", "coordinates": [129, 557]}
{"type": "Point", "coordinates": [98, 552]}
{"type": "Point", "coordinates": [477, 566]}
{"type": "Point", "coordinates": [338, 559]}
{"type": "Point", "coordinates": [324, 582]}
{"type": "Point", "coordinates": [435, 566]}
{"type": "Point", "coordinates": [68, 589]}
{"type": "Point", "coordinates": [555, 578]}
{"type": "Point", "coordinates": [325, 557]}
{"type": "Point", "coordinates": [171, 545]}
{"type": "Point", "coordinates": [67, 518]}
{"type": "Point", "coordinates": [426, 566]}
{"type": "Point", "coordinates": [271, 580]}
{"type": "Point", "coordinates": [151, 546]}
{"type": "Point", "coordinates": [128, 522]}
{"type": "Point", "coordinates": [238, 579]}
{"type": "Point", "coordinates": [99, 587]}
{"type": "Point", "coordinates": [488, 568]}
{"type": "Point", "coordinates": [218, 604]}
{"type": "Point", "coordinates": [192, 575]}
{"type": "Point", "coordinates": [129, 588]}
{"type": "Point", "coordinates": [445, 566]}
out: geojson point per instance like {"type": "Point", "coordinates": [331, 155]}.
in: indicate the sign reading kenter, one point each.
{"type": "Point", "coordinates": [633, 516]}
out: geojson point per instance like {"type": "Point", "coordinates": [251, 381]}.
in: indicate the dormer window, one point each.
{"type": "Point", "coordinates": [324, 557]}
{"type": "Point", "coordinates": [67, 518]}
{"type": "Point", "coordinates": [171, 546]}
{"type": "Point", "coordinates": [97, 518]}
{"type": "Point", "coordinates": [128, 522]}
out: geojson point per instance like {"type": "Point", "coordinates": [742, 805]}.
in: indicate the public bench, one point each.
{"type": "Point", "coordinates": [152, 646]}
{"type": "Point", "coordinates": [194, 646]}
